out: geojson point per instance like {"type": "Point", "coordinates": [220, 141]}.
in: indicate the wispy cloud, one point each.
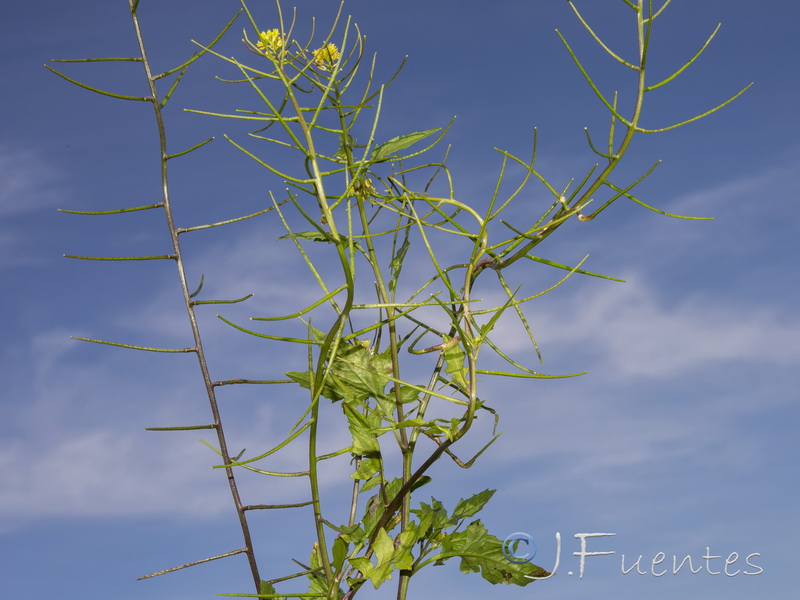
{"type": "Point", "coordinates": [63, 464]}
{"type": "Point", "coordinates": [27, 184]}
{"type": "Point", "coordinates": [632, 331]}
{"type": "Point", "coordinates": [79, 448]}
{"type": "Point", "coordinates": [25, 181]}
{"type": "Point", "coordinates": [656, 325]}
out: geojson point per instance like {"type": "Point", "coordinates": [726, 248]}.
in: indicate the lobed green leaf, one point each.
{"type": "Point", "coordinates": [482, 553]}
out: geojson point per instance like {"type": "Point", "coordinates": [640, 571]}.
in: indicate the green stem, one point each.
{"type": "Point", "coordinates": [406, 449]}
{"type": "Point", "coordinates": [331, 342]}
{"type": "Point", "coordinates": [643, 36]}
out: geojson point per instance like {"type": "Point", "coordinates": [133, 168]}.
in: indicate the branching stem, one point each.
{"type": "Point", "coordinates": [198, 343]}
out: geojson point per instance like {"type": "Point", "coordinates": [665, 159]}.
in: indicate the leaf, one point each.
{"type": "Point", "coordinates": [365, 442]}
{"type": "Point", "coordinates": [426, 518]}
{"type": "Point", "coordinates": [370, 483]}
{"type": "Point", "coordinates": [383, 547]}
{"type": "Point", "coordinates": [408, 394]}
{"type": "Point", "coordinates": [367, 468]}
{"type": "Point", "coordinates": [372, 514]}
{"type": "Point", "coordinates": [435, 515]}
{"type": "Point", "coordinates": [400, 143]}
{"type": "Point", "coordinates": [435, 518]}
{"type": "Point", "coordinates": [403, 558]}
{"type": "Point", "coordinates": [340, 548]}
{"type": "Point", "coordinates": [267, 588]}
{"type": "Point", "coordinates": [389, 556]}
{"type": "Point", "coordinates": [386, 404]}
{"type": "Point", "coordinates": [351, 143]}
{"type": "Point", "coordinates": [470, 506]}
{"type": "Point", "coordinates": [356, 374]}
{"type": "Point", "coordinates": [318, 585]}
{"type": "Point", "coordinates": [448, 428]}
{"type": "Point", "coordinates": [397, 261]}
{"type": "Point", "coordinates": [482, 553]}
{"type": "Point", "coordinates": [314, 236]}
{"type": "Point", "coordinates": [402, 424]}
{"type": "Point", "coordinates": [317, 236]}
{"type": "Point", "coordinates": [424, 480]}
{"type": "Point", "coordinates": [355, 536]}
{"type": "Point", "coordinates": [479, 551]}
{"type": "Point", "coordinates": [374, 506]}
{"type": "Point", "coordinates": [454, 355]}
{"type": "Point", "coordinates": [362, 372]}
{"type": "Point", "coordinates": [304, 379]}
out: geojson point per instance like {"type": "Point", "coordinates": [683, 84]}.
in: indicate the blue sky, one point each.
{"type": "Point", "coordinates": [681, 438]}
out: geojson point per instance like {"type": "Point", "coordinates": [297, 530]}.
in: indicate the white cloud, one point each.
{"type": "Point", "coordinates": [78, 447]}
{"type": "Point", "coordinates": [101, 473]}
{"type": "Point", "coordinates": [633, 333]}
{"type": "Point", "coordinates": [26, 185]}
{"type": "Point", "coordinates": [25, 181]}
{"type": "Point", "coordinates": [630, 332]}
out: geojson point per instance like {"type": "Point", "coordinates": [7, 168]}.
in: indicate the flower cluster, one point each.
{"type": "Point", "coordinates": [326, 56]}
{"type": "Point", "coordinates": [365, 187]}
{"type": "Point", "coordinates": [269, 42]}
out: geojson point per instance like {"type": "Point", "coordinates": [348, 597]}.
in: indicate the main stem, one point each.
{"type": "Point", "coordinates": [406, 448]}
{"type": "Point", "coordinates": [198, 344]}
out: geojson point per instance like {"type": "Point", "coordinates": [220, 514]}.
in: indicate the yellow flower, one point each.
{"type": "Point", "coordinates": [365, 187]}
{"type": "Point", "coordinates": [326, 57]}
{"type": "Point", "coordinates": [269, 42]}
